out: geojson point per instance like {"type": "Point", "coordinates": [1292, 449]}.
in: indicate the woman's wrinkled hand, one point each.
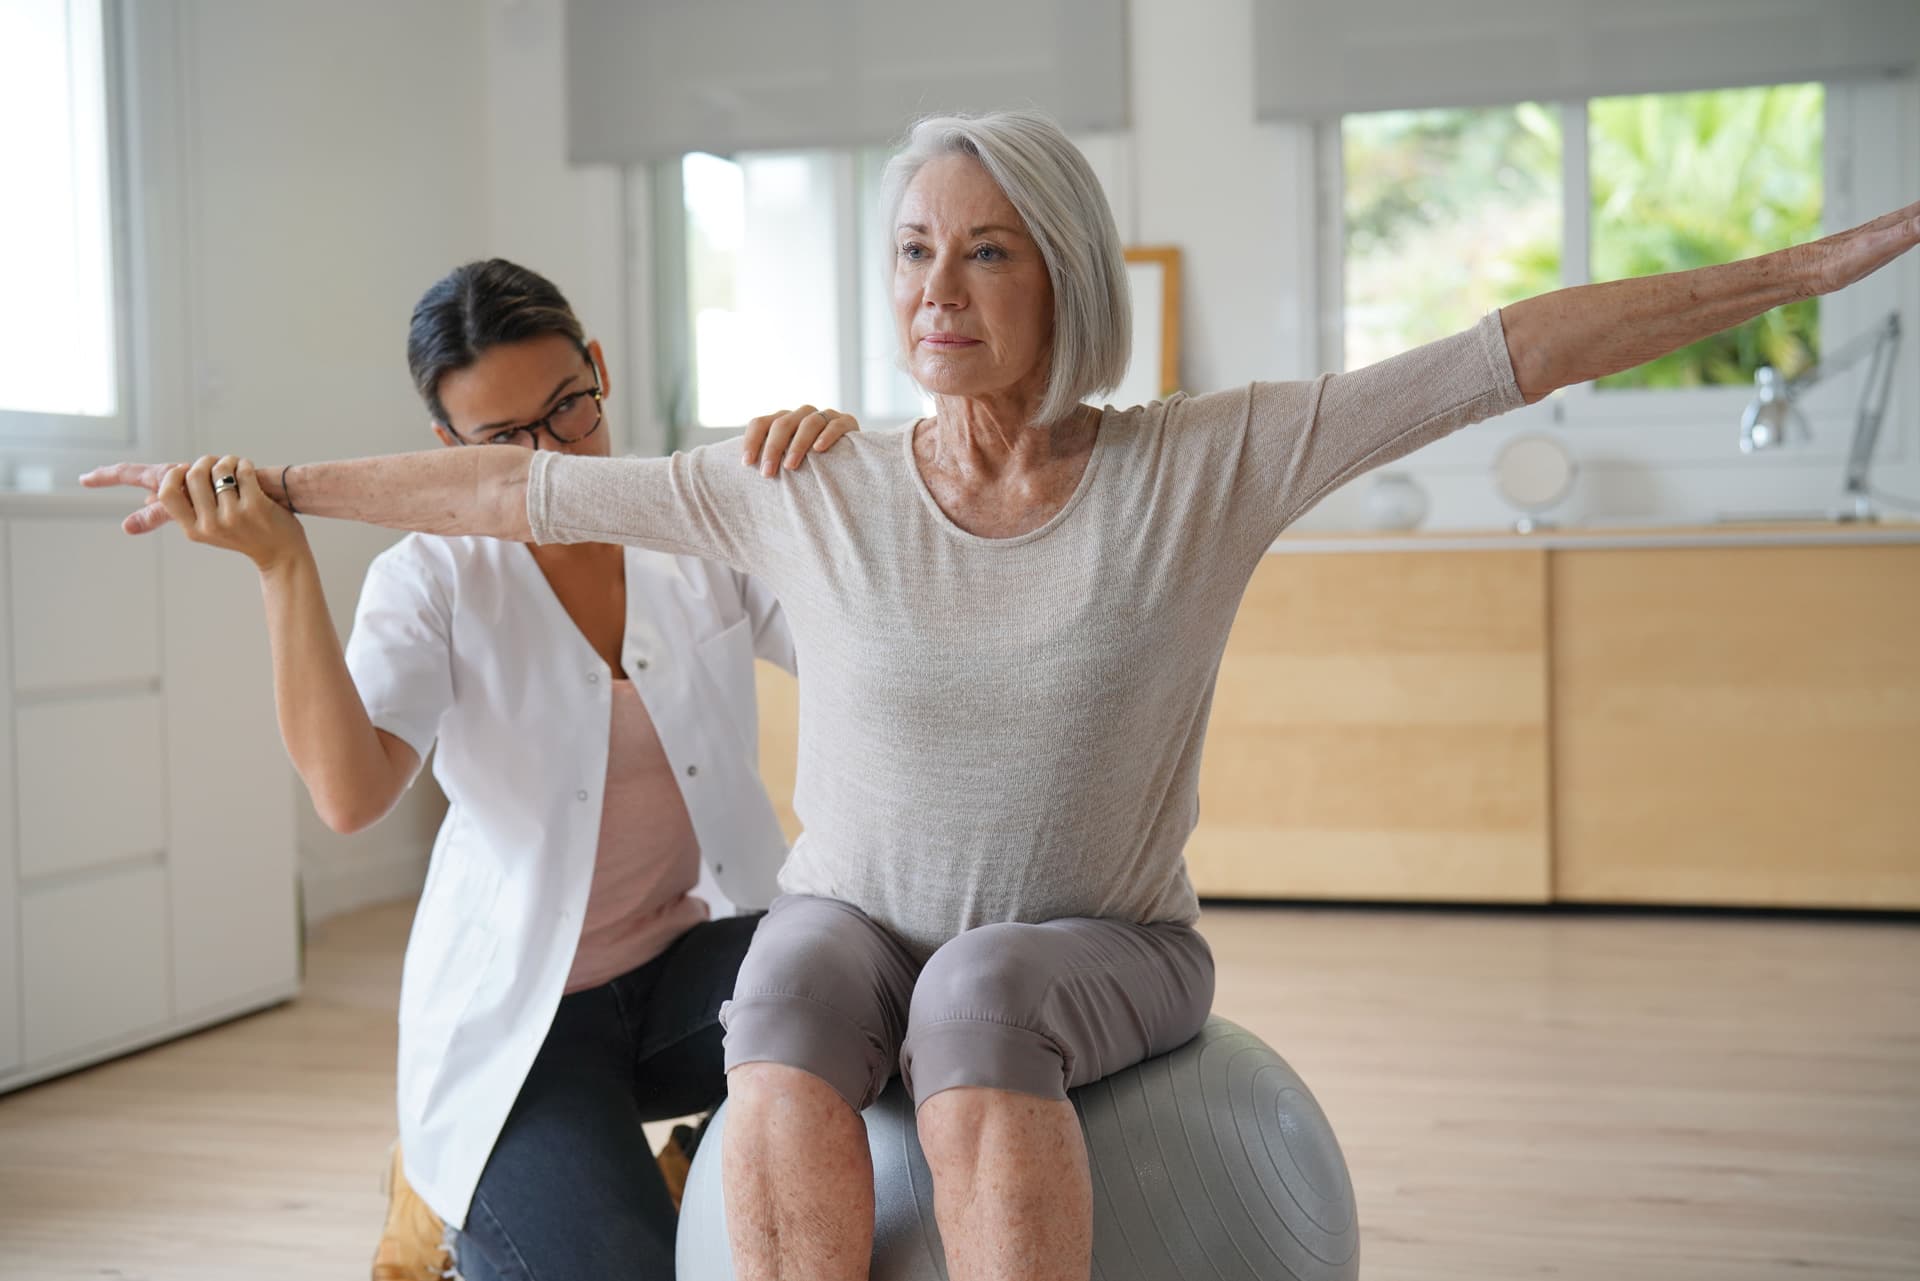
{"type": "Point", "coordinates": [237, 517]}
{"type": "Point", "coordinates": [1836, 261]}
{"type": "Point", "coordinates": [791, 434]}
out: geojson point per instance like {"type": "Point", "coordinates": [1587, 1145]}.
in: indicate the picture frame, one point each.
{"type": "Point", "coordinates": [1153, 273]}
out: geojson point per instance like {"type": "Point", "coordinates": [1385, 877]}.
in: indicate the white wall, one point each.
{"type": "Point", "coordinates": [335, 168]}
{"type": "Point", "coordinates": [340, 158]}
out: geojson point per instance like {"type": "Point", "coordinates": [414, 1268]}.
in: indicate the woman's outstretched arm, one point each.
{"type": "Point", "coordinates": [1573, 335]}
{"type": "Point", "coordinates": [438, 491]}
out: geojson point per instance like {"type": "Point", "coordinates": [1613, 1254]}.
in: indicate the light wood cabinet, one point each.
{"type": "Point", "coordinates": [1379, 731]}
{"type": "Point", "coordinates": [1737, 726]}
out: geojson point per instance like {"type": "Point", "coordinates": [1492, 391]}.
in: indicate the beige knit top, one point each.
{"type": "Point", "coordinates": [1010, 729]}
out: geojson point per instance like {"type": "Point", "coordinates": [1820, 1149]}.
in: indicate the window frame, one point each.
{"type": "Point", "coordinates": [853, 173]}
{"type": "Point", "coordinates": [148, 151]}
{"type": "Point", "coordinates": [26, 427]}
{"type": "Point", "coordinates": [1657, 427]}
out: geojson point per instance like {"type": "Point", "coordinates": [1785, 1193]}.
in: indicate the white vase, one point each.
{"type": "Point", "coordinates": [1395, 501]}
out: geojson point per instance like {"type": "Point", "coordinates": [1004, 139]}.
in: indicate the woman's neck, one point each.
{"type": "Point", "coordinates": [984, 439]}
{"type": "Point", "coordinates": [995, 476]}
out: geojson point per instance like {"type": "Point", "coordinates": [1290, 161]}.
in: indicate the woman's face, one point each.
{"type": "Point", "coordinates": [515, 385]}
{"type": "Point", "coordinates": [970, 289]}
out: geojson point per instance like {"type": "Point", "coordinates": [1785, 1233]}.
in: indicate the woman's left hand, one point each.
{"type": "Point", "coordinates": [791, 434]}
{"type": "Point", "coordinates": [1840, 259]}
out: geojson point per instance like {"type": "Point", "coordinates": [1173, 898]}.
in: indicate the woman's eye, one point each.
{"type": "Point", "coordinates": [912, 252]}
{"type": "Point", "coordinates": [566, 404]}
{"type": "Point", "coordinates": [988, 253]}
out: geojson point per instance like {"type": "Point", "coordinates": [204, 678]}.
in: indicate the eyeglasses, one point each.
{"type": "Point", "coordinates": [575, 418]}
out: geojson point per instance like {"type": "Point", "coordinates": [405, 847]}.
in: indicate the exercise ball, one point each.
{"type": "Point", "coordinates": [1212, 1163]}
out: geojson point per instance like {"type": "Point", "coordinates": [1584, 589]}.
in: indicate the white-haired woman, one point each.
{"type": "Point", "coordinates": [1012, 615]}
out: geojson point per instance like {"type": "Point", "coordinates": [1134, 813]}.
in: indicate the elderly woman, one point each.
{"type": "Point", "coordinates": [1012, 615]}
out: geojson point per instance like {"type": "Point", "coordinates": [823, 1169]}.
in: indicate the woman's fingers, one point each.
{"type": "Point", "coordinates": [145, 476]}
{"type": "Point", "coordinates": [226, 500]}
{"type": "Point", "coordinates": [147, 519]}
{"type": "Point", "coordinates": [780, 434]}
{"type": "Point", "coordinates": [817, 433]}
{"type": "Point", "coordinates": [838, 425]}
{"type": "Point", "coordinates": [1853, 255]}
{"type": "Point", "coordinates": [805, 432]}
{"type": "Point", "coordinates": [177, 502]}
{"type": "Point", "coordinates": [250, 494]}
{"type": "Point", "coordinates": [199, 482]}
{"type": "Point", "coordinates": [756, 436]}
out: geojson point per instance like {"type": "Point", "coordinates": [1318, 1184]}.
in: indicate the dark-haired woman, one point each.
{"type": "Point", "coordinates": [593, 707]}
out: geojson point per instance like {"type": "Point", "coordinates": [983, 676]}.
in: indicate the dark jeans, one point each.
{"type": "Point", "coordinates": [572, 1190]}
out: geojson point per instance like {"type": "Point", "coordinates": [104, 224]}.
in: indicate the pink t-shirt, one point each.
{"type": "Point", "coordinates": [648, 859]}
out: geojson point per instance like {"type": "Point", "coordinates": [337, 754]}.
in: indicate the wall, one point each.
{"type": "Point", "coordinates": [335, 168]}
{"type": "Point", "coordinates": [340, 158]}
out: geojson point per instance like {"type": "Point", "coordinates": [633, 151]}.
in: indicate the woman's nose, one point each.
{"type": "Point", "coordinates": [942, 288]}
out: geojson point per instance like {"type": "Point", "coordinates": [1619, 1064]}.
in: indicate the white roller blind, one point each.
{"type": "Point", "coordinates": [649, 81]}
{"type": "Point", "coordinates": [1319, 59]}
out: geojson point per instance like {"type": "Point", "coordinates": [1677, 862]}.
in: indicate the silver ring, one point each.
{"type": "Point", "coordinates": [221, 484]}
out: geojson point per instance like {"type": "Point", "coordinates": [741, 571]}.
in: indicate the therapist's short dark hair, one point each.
{"type": "Point", "coordinates": [477, 306]}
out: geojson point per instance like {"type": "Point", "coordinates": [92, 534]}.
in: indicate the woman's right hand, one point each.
{"type": "Point", "coordinates": [239, 519]}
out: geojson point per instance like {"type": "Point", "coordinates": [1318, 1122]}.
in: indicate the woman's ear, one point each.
{"type": "Point", "coordinates": [599, 360]}
{"type": "Point", "coordinates": [440, 430]}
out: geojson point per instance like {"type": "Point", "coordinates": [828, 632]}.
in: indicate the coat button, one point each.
{"type": "Point", "coordinates": [593, 678]}
{"type": "Point", "coordinates": [692, 770]}
{"type": "Point", "coordinates": [580, 795]}
{"type": "Point", "coordinates": [640, 663]}
{"type": "Point", "coordinates": [719, 869]}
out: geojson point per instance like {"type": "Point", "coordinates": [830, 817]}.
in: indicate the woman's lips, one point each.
{"type": "Point", "coordinates": [948, 341]}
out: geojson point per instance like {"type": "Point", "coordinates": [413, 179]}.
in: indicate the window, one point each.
{"type": "Point", "coordinates": [786, 289]}
{"type": "Point", "coordinates": [63, 378]}
{"type": "Point", "coordinates": [1447, 214]}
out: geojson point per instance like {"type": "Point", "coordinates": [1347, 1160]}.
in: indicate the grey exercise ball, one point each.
{"type": "Point", "coordinates": [1212, 1163]}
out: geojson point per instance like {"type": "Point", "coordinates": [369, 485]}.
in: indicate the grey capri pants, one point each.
{"type": "Point", "coordinates": [1035, 1009]}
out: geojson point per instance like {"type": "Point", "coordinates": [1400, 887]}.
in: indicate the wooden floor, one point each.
{"type": "Point", "coordinates": [1518, 1095]}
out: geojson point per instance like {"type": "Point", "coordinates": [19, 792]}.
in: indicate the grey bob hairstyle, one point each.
{"type": "Point", "coordinates": [1053, 189]}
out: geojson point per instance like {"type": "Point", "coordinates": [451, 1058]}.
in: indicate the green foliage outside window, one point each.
{"type": "Point", "coordinates": [1695, 179]}
{"type": "Point", "coordinates": [1451, 213]}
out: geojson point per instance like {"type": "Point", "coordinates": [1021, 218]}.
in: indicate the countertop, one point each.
{"type": "Point", "coordinates": [1811, 533]}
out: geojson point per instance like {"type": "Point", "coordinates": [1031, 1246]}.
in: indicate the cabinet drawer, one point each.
{"type": "Point", "coordinates": [92, 782]}
{"type": "Point", "coordinates": [86, 603]}
{"type": "Point", "coordinates": [94, 961]}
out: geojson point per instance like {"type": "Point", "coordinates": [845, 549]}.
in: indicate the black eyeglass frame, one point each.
{"type": "Point", "coordinates": [506, 437]}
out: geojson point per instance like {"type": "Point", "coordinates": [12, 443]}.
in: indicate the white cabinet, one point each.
{"type": "Point", "coordinates": [147, 862]}
{"type": "Point", "coordinates": [93, 782]}
{"type": "Point", "coordinates": [230, 834]}
{"type": "Point", "coordinates": [94, 960]}
{"type": "Point", "coordinates": [86, 604]}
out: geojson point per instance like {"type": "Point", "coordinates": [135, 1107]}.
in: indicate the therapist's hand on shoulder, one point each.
{"type": "Point", "coordinates": [789, 435]}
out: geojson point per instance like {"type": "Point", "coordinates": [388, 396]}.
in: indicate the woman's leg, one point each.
{"type": "Point", "coordinates": [571, 1188]}
{"type": "Point", "coordinates": [812, 1033]}
{"type": "Point", "coordinates": [1007, 1018]}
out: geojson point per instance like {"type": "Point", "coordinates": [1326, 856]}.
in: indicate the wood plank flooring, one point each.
{"type": "Point", "coordinates": [1520, 1094]}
